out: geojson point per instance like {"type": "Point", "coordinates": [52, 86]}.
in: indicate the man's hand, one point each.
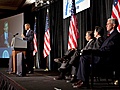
{"type": "Point", "coordinates": [22, 35]}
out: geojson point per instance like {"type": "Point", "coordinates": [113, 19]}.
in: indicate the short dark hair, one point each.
{"type": "Point", "coordinates": [90, 33]}
{"type": "Point", "coordinates": [100, 30]}
{"type": "Point", "coordinates": [27, 24]}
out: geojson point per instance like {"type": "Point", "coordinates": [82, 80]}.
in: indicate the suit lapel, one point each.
{"type": "Point", "coordinates": [88, 45]}
{"type": "Point", "coordinates": [27, 33]}
{"type": "Point", "coordinates": [109, 38]}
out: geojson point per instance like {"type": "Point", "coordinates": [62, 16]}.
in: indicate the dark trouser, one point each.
{"type": "Point", "coordinates": [29, 60]}
{"type": "Point", "coordinates": [84, 68]}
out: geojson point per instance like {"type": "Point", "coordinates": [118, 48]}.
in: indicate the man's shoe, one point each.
{"type": "Point", "coordinates": [80, 85]}
{"type": "Point", "coordinates": [78, 82]}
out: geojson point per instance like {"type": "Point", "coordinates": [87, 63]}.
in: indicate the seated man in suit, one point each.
{"type": "Point", "coordinates": [74, 57]}
{"type": "Point", "coordinates": [108, 55]}
{"type": "Point", "coordinates": [98, 34]}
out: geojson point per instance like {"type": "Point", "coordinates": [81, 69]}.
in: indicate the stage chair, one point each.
{"type": "Point", "coordinates": [112, 74]}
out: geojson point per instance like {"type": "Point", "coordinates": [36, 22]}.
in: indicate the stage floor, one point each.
{"type": "Point", "coordinates": [43, 80]}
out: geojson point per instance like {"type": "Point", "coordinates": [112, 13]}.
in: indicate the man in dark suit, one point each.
{"type": "Point", "coordinates": [74, 62]}
{"type": "Point", "coordinates": [30, 47]}
{"type": "Point", "coordinates": [98, 34]}
{"type": "Point", "coordinates": [73, 57]}
{"type": "Point", "coordinates": [108, 54]}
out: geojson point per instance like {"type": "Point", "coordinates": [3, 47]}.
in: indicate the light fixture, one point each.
{"type": "Point", "coordinates": [42, 2]}
{"type": "Point", "coordinates": [38, 2]}
{"type": "Point", "coordinates": [30, 1]}
{"type": "Point", "coordinates": [48, 2]}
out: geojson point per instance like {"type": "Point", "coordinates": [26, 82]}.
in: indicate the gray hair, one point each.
{"type": "Point", "coordinates": [114, 21]}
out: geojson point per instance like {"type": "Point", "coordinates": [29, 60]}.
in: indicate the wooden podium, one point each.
{"type": "Point", "coordinates": [18, 45]}
{"type": "Point", "coordinates": [14, 58]}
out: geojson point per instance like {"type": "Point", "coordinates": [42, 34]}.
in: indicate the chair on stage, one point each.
{"type": "Point", "coordinates": [101, 71]}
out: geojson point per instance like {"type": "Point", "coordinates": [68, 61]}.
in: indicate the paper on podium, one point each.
{"type": "Point", "coordinates": [18, 43]}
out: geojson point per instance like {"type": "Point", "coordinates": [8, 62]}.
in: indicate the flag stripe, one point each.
{"type": "Point", "coordinates": [73, 30]}
{"type": "Point", "coordinates": [35, 44]}
{"type": "Point", "coordinates": [35, 40]}
{"type": "Point", "coordinates": [47, 47]}
{"type": "Point", "coordinates": [116, 11]}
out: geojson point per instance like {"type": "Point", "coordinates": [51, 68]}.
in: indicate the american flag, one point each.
{"type": "Point", "coordinates": [47, 47]}
{"type": "Point", "coordinates": [35, 39]}
{"type": "Point", "coordinates": [73, 28]}
{"type": "Point", "coordinates": [116, 11]}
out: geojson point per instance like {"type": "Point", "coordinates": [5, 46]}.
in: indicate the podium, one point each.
{"type": "Point", "coordinates": [18, 45]}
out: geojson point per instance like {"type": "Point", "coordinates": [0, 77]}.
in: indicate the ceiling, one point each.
{"type": "Point", "coordinates": [11, 6]}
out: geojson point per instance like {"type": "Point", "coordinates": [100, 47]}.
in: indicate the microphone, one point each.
{"type": "Point", "coordinates": [15, 34]}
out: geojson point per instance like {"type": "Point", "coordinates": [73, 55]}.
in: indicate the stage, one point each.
{"type": "Point", "coordinates": [43, 80]}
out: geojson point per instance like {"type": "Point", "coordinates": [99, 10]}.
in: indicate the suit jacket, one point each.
{"type": "Point", "coordinates": [77, 53]}
{"type": "Point", "coordinates": [89, 45]}
{"type": "Point", "coordinates": [98, 43]}
{"type": "Point", "coordinates": [95, 45]}
{"type": "Point", "coordinates": [110, 48]}
{"type": "Point", "coordinates": [29, 38]}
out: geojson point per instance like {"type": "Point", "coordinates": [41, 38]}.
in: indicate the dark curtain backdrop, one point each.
{"type": "Point", "coordinates": [97, 14]}
{"type": "Point", "coordinates": [29, 17]}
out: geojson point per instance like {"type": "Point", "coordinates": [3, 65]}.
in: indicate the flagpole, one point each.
{"type": "Point", "coordinates": [47, 48]}
{"type": "Point", "coordinates": [37, 61]}
{"type": "Point", "coordinates": [49, 62]}
{"type": "Point", "coordinates": [35, 52]}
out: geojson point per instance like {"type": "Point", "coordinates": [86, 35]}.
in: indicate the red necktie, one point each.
{"type": "Point", "coordinates": [108, 34]}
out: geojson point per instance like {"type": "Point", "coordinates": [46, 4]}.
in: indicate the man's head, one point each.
{"type": "Point", "coordinates": [89, 35]}
{"type": "Point", "coordinates": [27, 26]}
{"type": "Point", "coordinates": [112, 24]}
{"type": "Point", "coordinates": [98, 32]}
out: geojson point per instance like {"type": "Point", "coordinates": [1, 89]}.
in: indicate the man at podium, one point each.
{"type": "Point", "coordinates": [30, 47]}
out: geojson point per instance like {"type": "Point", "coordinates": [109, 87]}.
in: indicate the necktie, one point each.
{"type": "Point", "coordinates": [108, 34]}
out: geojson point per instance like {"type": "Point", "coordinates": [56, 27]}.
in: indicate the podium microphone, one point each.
{"type": "Point", "coordinates": [15, 34]}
